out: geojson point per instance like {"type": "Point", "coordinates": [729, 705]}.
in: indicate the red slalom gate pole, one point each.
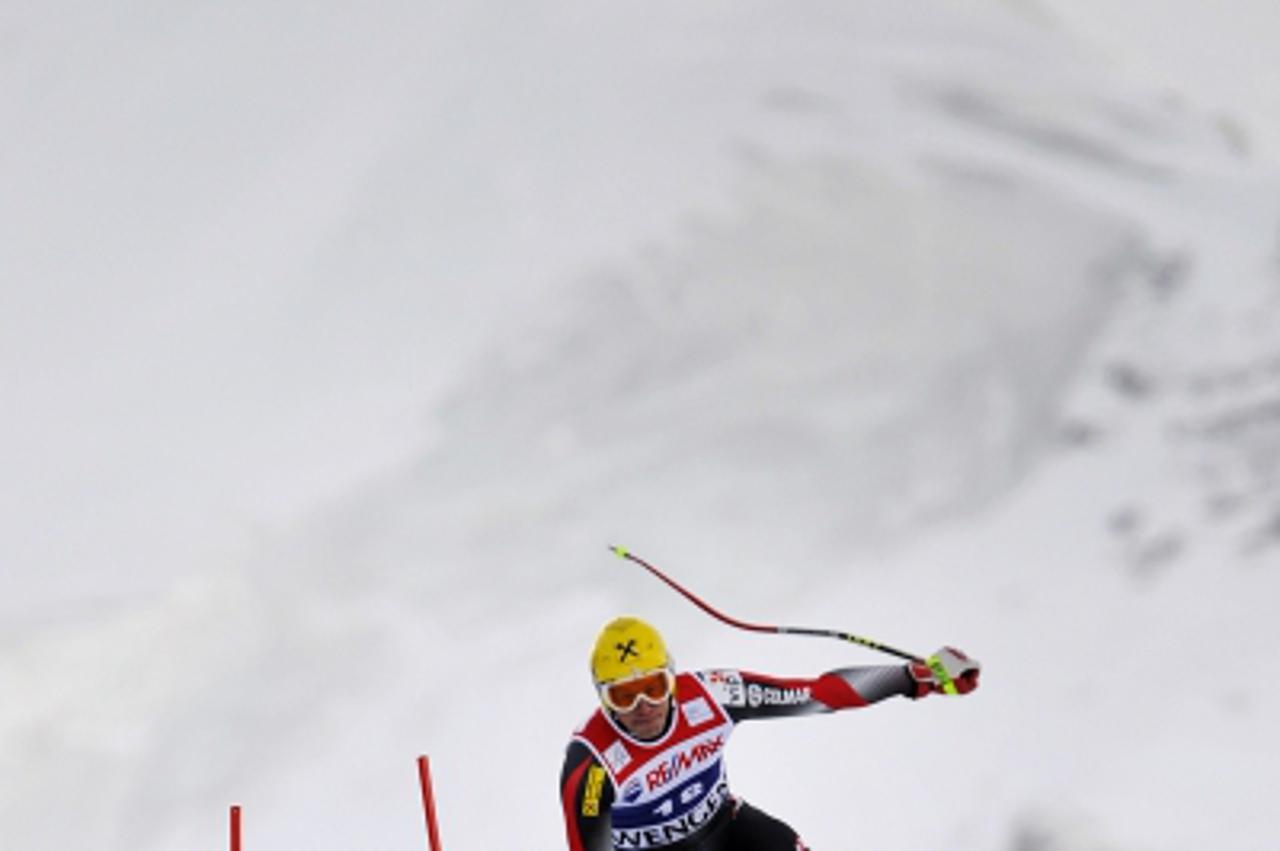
{"type": "Point", "coordinates": [235, 827]}
{"type": "Point", "coordinates": [428, 803]}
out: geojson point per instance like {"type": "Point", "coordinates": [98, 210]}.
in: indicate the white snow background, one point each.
{"type": "Point", "coordinates": [338, 341]}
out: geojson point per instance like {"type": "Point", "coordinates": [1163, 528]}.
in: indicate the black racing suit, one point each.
{"type": "Point", "coordinates": [587, 792]}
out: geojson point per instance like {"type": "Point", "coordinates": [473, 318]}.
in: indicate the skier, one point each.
{"type": "Point", "coordinates": [646, 770]}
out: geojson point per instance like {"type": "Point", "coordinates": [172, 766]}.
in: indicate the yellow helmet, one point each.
{"type": "Point", "coordinates": [625, 648]}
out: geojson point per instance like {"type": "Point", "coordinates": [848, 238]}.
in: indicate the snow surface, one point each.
{"type": "Point", "coordinates": [339, 343]}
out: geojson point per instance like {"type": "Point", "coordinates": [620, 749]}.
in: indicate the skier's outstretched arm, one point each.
{"type": "Point", "coordinates": [586, 794]}
{"type": "Point", "coordinates": [747, 695]}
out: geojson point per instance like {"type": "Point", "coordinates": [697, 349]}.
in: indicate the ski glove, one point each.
{"type": "Point", "coordinates": [949, 671]}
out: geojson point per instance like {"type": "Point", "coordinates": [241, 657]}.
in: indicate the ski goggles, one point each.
{"type": "Point", "coordinates": [623, 695]}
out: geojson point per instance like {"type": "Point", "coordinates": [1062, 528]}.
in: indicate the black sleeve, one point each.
{"type": "Point", "coordinates": [586, 794]}
{"type": "Point", "coordinates": [746, 695]}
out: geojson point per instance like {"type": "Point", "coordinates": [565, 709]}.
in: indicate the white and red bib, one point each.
{"type": "Point", "coordinates": [664, 790]}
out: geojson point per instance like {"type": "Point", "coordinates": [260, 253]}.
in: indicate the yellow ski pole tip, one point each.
{"type": "Point", "coordinates": [620, 552]}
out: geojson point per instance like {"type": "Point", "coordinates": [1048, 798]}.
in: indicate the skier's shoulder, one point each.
{"type": "Point", "coordinates": [591, 725]}
{"type": "Point", "coordinates": [585, 743]}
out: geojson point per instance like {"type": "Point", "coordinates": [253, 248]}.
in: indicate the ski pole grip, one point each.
{"type": "Point", "coordinates": [943, 676]}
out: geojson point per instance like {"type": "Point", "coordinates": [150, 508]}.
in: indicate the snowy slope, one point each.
{"type": "Point", "coordinates": [1217, 58]}
{"type": "Point", "coordinates": [913, 321]}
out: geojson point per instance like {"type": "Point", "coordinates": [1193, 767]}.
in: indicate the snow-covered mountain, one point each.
{"type": "Point", "coordinates": [340, 344]}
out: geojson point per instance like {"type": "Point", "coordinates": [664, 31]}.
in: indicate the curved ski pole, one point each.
{"type": "Point", "coordinates": [624, 553]}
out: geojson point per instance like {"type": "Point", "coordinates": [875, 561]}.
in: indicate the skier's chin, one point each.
{"type": "Point", "coordinates": [646, 723]}
{"type": "Point", "coordinates": [648, 730]}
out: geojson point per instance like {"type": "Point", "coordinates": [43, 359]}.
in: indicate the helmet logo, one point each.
{"type": "Point", "coordinates": [625, 650]}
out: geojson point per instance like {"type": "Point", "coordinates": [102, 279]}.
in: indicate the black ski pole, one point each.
{"type": "Point", "coordinates": [624, 553]}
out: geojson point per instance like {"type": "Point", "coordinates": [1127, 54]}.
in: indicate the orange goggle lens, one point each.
{"type": "Point", "coordinates": [624, 695]}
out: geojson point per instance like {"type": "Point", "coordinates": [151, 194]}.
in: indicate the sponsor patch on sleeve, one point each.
{"type": "Point", "coordinates": [759, 694]}
{"type": "Point", "coordinates": [591, 794]}
{"type": "Point", "coordinates": [726, 686]}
